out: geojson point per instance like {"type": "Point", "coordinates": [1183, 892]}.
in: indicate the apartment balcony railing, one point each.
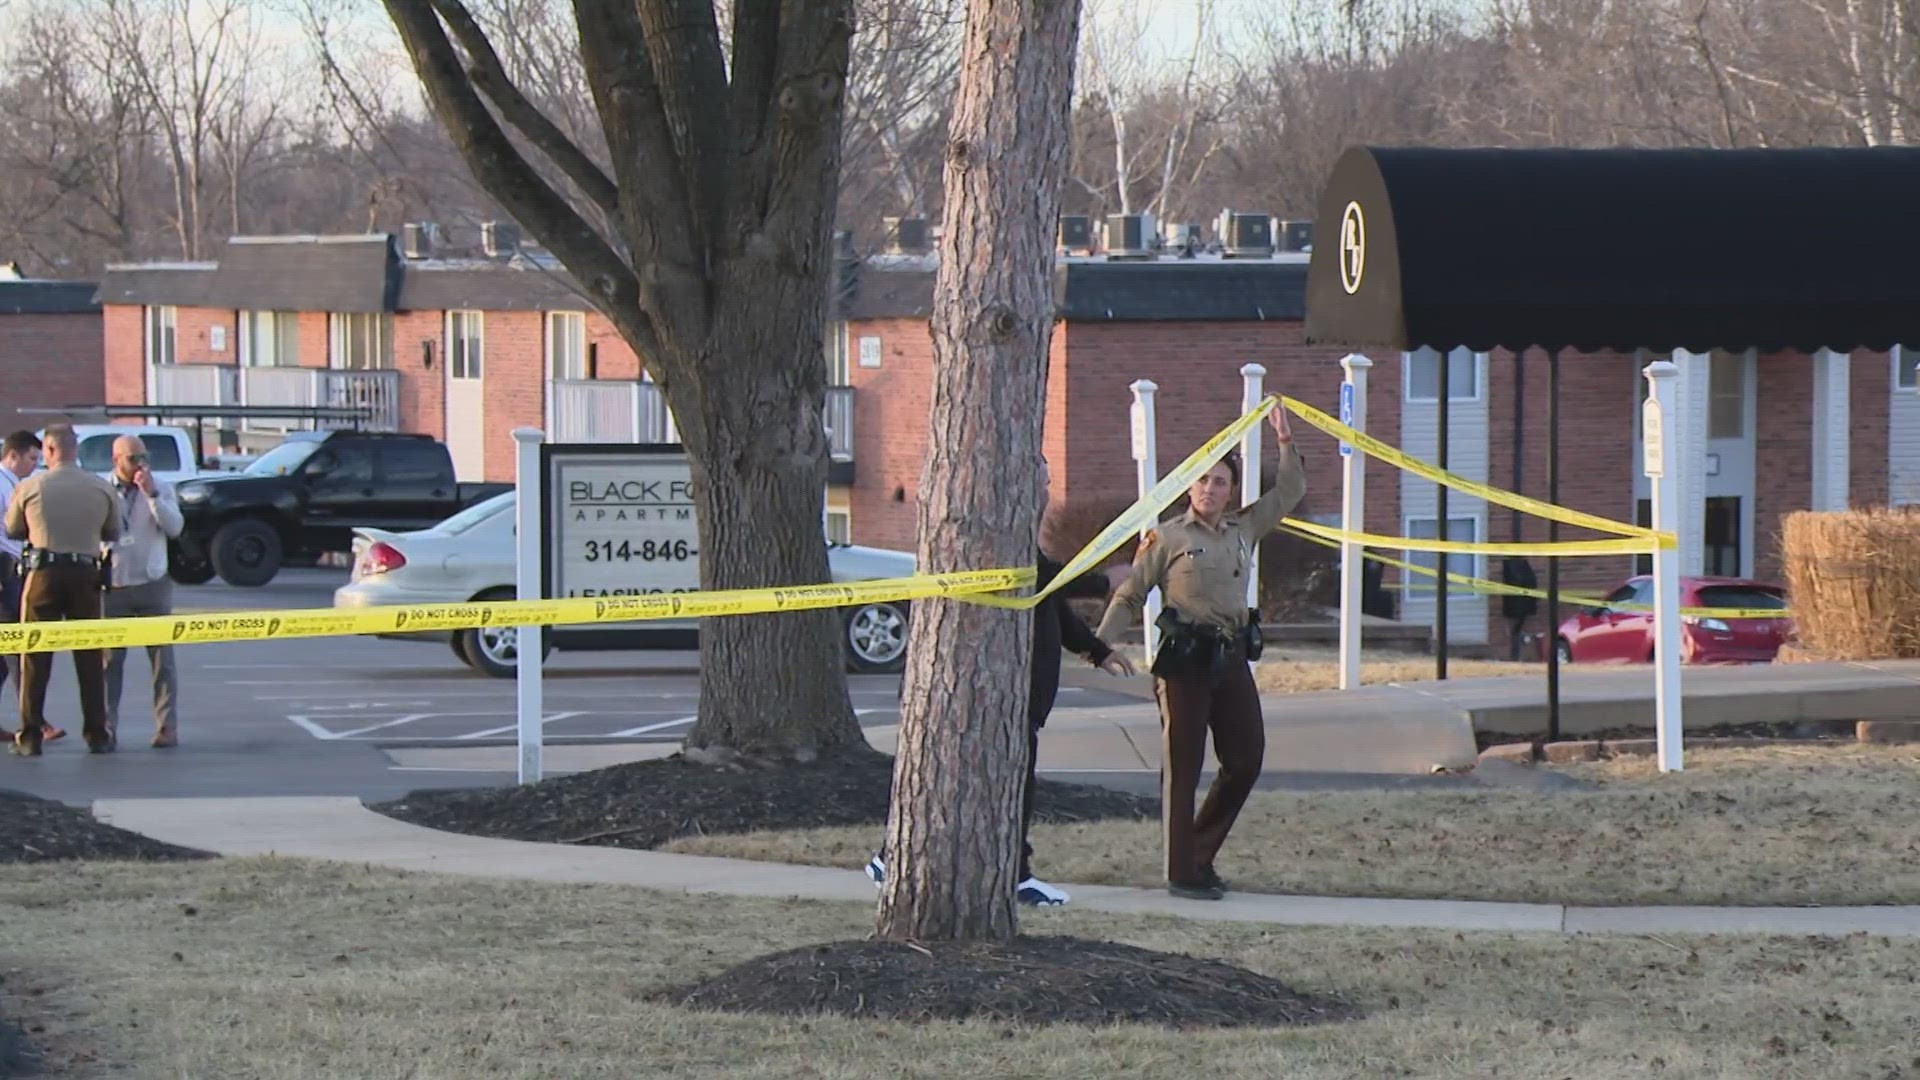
{"type": "Point", "coordinates": [376, 391]}
{"type": "Point", "coordinates": [622, 411]}
{"type": "Point", "coordinates": [219, 385]}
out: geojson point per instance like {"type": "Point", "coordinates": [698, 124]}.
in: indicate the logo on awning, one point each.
{"type": "Point", "coordinates": [1353, 248]}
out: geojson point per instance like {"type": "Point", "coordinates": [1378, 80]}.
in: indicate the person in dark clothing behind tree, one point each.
{"type": "Point", "coordinates": [1055, 627]}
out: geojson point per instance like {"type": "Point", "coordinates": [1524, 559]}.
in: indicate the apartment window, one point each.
{"type": "Point", "coordinates": [1904, 360]}
{"type": "Point", "coordinates": [466, 344]}
{"type": "Point", "coordinates": [837, 354]}
{"type": "Point", "coordinates": [1465, 529]}
{"type": "Point", "coordinates": [361, 341]}
{"type": "Point", "coordinates": [566, 345]}
{"type": "Point", "coordinates": [163, 335]}
{"type": "Point", "coordinates": [270, 338]}
{"type": "Point", "coordinates": [1727, 396]}
{"type": "Point", "coordinates": [839, 527]}
{"type": "Point", "coordinates": [1423, 374]}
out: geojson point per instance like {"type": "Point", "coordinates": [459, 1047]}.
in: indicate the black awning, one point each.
{"type": "Point", "coordinates": [1619, 249]}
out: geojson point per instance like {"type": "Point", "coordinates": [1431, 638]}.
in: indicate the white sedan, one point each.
{"type": "Point", "coordinates": [470, 557]}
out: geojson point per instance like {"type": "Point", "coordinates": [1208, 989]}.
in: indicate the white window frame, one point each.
{"type": "Point", "coordinates": [1902, 362]}
{"type": "Point", "coordinates": [164, 318]}
{"type": "Point", "coordinates": [1475, 565]}
{"type": "Point", "coordinates": [557, 366]}
{"type": "Point", "coordinates": [338, 337]}
{"type": "Point", "coordinates": [839, 525]}
{"type": "Point", "coordinates": [467, 362]}
{"type": "Point", "coordinates": [1408, 359]}
{"type": "Point", "coordinates": [839, 356]}
{"type": "Point", "coordinates": [277, 324]}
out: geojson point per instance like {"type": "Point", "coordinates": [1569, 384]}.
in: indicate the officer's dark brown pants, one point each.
{"type": "Point", "coordinates": [56, 592]}
{"type": "Point", "coordinates": [1228, 705]}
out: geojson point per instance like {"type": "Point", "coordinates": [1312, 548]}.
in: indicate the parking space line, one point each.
{"type": "Point", "coordinates": [545, 720]}
{"type": "Point", "coordinates": [408, 719]}
{"type": "Point", "coordinates": [652, 727]}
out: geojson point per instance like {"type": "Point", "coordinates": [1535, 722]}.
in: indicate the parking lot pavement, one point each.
{"type": "Point", "coordinates": [316, 716]}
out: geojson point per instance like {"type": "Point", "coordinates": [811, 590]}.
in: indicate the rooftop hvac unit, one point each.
{"type": "Point", "coordinates": [1246, 236]}
{"type": "Point", "coordinates": [417, 239]}
{"type": "Point", "coordinates": [1076, 234]}
{"type": "Point", "coordinates": [908, 235]}
{"type": "Point", "coordinates": [1295, 235]}
{"type": "Point", "coordinates": [1130, 236]}
{"type": "Point", "coordinates": [499, 239]}
{"type": "Point", "coordinates": [1183, 239]}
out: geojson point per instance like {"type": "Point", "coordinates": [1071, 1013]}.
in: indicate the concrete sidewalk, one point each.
{"type": "Point", "coordinates": [343, 830]}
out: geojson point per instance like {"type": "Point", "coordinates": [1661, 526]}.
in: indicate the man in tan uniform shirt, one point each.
{"type": "Point", "coordinates": [1200, 562]}
{"type": "Point", "coordinates": [65, 514]}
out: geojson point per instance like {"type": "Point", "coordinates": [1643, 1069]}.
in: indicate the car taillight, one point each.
{"type": "Point", "coordinates": [379, 559]}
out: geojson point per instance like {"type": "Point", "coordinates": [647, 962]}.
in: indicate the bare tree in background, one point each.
{"type": "Point", "coordinates": [954, 832]}
{"type": "Point", "coordinates": [192, 62]}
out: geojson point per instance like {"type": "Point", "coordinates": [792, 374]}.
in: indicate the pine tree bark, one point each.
{"type": "Point", "coordinates": [953, 835]}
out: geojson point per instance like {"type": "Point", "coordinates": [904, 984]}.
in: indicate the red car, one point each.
{"type": "Point", "coordinates": [1606, 635]}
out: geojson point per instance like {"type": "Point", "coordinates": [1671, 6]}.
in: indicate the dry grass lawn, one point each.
{"type": "Point", "coordinates": [276, 970]}
{"type": "Point", "coordinates": [1300, 669]}
{"type": "Point", "coordinates": [1834, 824]}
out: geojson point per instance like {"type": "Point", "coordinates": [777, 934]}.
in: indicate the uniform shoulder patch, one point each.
{"type": "Point", "coordinates": [1152, 538]}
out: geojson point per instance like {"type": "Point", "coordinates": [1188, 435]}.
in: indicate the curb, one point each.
{"type": "Point", "coordinates": [1877, 732]}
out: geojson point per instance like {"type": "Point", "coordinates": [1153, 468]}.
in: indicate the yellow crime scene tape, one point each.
{"type": "Point", "coordinates": [977, 586]}
{"type": "Point", "coordinates": [974, 586]}
{"type": "Point", "coordinates": [1407, 462]}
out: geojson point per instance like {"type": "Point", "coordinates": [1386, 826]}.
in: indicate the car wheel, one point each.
{"type": "Point", "coordinates": [1563, 649]}
{"type": "Point", "coordinates": [877, 639]}
{"type": "Point", "coordinates": [189, 571]}
{"type": "Point", "coordinates": [495, 650]}
{"type": "Point", "coordinates": [246, 553]}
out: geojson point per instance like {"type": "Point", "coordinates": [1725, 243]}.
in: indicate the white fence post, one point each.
{"type": "Point", "coordinates": [1253, 378]}
{"type": "Point", "coordinates": [528, 485]}
{"type": "Point", "coordinates": [1147, 460]}
{"type": "Point", "coordinates": [1353, 517]}
{"type": "Point", "coordinates": [1656, 438]}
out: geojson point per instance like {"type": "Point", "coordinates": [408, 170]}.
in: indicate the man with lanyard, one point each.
{"type": "Point", "coordinates": [19, 458]}
{"type": "Point", "coordinates": [149, 515]}
{"type": "Point", "coordinates": [65, 514]}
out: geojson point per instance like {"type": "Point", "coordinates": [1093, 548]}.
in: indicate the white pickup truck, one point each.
{"type": "Point", "coordinates": [169, 450]}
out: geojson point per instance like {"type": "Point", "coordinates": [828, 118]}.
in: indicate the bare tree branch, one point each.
{"type": "Point", "coordinates": [484, 146]}
{"type": "Point", "coordinates": [490, 77]}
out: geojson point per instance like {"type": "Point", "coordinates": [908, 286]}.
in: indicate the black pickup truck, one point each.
{"type": "Point", "coordinates": [304, 498]}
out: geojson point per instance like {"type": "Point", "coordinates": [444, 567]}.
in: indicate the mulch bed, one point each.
{"type": "Point", "coordinates": [645, 804]}
{"type": "Point", "coordinates": [34, 830]}
{"type": "Point", "coordinates": [1029, 980]}
{"type": "Point", "coordinates": [1807, 730]}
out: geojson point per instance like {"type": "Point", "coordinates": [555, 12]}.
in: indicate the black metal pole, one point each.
{"type": "Point", "coordinates": [1440, 515]}
{"type": "Point", "coordinates": [1519, 472]}
{"type": "Point", "coordinates": [1553, 534]}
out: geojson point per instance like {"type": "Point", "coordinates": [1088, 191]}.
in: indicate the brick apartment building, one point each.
{"type": "Point", "coordinates": [467, 348]}
{"type": "Point", "coordinates": [50, 342]}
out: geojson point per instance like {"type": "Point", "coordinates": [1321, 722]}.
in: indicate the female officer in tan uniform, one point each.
{"type": "Point", "coordinates": [1200, 562]}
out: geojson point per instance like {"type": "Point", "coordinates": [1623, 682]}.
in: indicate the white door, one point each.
{"type": "Point", "coordinates": [466, 401]}
{"type": "Point", "coordinates": [1732, 407]}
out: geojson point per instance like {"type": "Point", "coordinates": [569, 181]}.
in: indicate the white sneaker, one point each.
{"type": "Point", "coordinates": [877, 871]}
{"type": "Point", "coordinates": [1038, 893]}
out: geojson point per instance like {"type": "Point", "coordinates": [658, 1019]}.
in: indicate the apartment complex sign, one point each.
{"type": "Point", "coordinates": [619, 521]}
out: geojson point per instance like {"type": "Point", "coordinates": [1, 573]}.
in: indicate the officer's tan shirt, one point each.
{"type": "Point", "coordinates": [64, 509]}
{"type": "Point", "coordinates": [1200, 569]}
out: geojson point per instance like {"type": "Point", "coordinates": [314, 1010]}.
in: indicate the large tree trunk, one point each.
{"type": "Point", "coordinates": [772, 687]}
{"type": "Point", "coordinates": [954, 831]}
